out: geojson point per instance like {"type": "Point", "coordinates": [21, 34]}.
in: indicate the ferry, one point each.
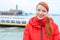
{"type": "Point", "coordinates": [14, 20]}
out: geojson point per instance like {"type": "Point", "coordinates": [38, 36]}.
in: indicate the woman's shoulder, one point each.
{"type": "Point", "coordinates": [30, 23]}
{"type": "Point", "coordinates": [52, 21]}
{"type": "Point", "coordinates": [32, 19]}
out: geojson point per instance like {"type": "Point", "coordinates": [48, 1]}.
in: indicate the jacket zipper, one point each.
{"type": "Point", "coordinates": [41, 34]}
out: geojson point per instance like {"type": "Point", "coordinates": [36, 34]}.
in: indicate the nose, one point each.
{"type": "Point", "coordinates": [40, 12]}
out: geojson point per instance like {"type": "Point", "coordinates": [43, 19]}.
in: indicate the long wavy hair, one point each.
{"type": "Point", "coordinates": [48, 28]}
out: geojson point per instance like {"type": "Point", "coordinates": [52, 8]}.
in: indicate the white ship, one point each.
{"type": "Point", "coordinates": [14, 20]}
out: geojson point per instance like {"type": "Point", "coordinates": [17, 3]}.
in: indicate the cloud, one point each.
{"type": "Point", "coordinates": [28, 5]}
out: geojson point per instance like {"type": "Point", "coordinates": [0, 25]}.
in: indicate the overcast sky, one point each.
{"type": "Point", "coordinates": [29, 5]}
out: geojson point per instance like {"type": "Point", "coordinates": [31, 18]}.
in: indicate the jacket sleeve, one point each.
{"type": "Point", "coordinates": [56, 32]}
{"type": "Point", "coordinates": [59, 36]}
{"type": "Point", "coordinates": [26, 35]}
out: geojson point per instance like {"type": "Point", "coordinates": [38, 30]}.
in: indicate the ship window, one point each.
{"type": "Point", "coordinates": [23, 22]}
{"type": "Point", "coordinates": [12, 21]}
{"type": "Point", "coordinates": [18, 22]}
{"type": "Point", "coordinates": [2, 20]}
{"type": "Point", "coordinates": [7, 21]}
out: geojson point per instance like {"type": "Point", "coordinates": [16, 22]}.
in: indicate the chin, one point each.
{"type": "Point", "coordinates": [40, 18]}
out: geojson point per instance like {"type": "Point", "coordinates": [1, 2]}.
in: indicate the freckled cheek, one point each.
{"type": "Point", "coordinates": [40, 14]}
{"type": "Point", "coordinates": [37, 11]}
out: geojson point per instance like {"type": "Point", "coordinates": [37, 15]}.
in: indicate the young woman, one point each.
{"type": "Point", "coordinates": [41, 27]}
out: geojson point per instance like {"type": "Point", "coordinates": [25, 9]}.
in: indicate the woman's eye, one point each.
{"type": "Point", "coordinates": [38, 9]}
{"type": "Point", "coordinates": [43, 10]}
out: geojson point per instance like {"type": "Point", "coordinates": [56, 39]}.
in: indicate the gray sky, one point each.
{"type": "Point", "coordinates": [28, 5]}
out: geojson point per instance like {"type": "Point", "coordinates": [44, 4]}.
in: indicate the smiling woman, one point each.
{"type": "Point", "coordinates": [41, 27]}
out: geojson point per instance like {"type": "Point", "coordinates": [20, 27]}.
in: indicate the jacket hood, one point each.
{"type": "Point", "coordinates": [35, 22]}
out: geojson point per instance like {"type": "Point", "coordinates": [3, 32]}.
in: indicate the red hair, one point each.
{"type": "Point", "coordinates": [43, 4]}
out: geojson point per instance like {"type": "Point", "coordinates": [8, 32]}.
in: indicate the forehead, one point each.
{"type": "Point", "coordinates": [41, 7]}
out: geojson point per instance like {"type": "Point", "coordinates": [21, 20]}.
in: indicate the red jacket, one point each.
{"type": "Point", "coordinates": [59, 36]}
{"type": "Point", "coordinates": [32, 30]}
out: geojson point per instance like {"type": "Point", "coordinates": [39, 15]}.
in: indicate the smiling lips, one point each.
{"type": "Point", "coordinates": [41, 15]}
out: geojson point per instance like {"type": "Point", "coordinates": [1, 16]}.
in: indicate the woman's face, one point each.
{"type": "Point", "coordinates": [41, 12]}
